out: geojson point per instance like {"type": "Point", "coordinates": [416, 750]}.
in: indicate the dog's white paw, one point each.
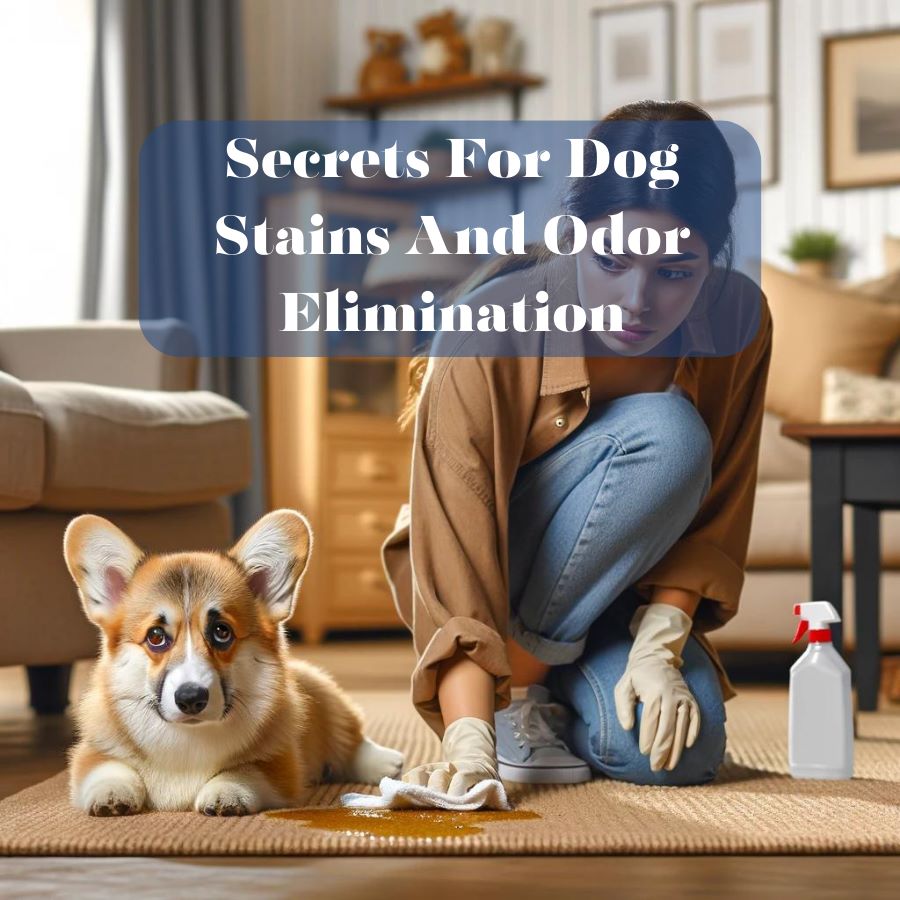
{"type": "Point", "coordinates": [372, 762]}
{"type": "Point", "coordinates": [227, 796]}
{"type": "Point", "coordinates": [111, 789]}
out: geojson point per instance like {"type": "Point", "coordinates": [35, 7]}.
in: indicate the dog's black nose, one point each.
{"type": "Point", "coordinates": [191, 698]}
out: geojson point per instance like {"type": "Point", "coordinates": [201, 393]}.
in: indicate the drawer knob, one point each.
{"type": "Point", "coordinates": [372, 579]}
{"type": "Point", "coordinates": [375, 469]}
{"type": "Point", "coordinates": [373, 522]}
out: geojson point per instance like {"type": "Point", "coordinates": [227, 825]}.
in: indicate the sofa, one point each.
{"type": "Point", "coordinates": [779, 552]}
{"type": "Point", "coordinates": [94, 418]}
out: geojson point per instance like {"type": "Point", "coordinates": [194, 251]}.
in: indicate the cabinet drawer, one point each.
{"type": "Point", "coordinates": [355, 466]}
{"type": "Point", "coordinates": [357, 587]}
{"type": "Point", "coordinates": [361, 524]}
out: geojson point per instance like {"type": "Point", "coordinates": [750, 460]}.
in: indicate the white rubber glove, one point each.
{"type": "Point", "coordinates": [670, 720]}
{"type": "Point", "coordinates": [469, 756]}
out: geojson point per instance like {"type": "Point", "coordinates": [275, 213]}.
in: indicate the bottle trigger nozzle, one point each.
{"type": "Point", "coordinates": [816, 616]}
{"type": "Point", "coordinates": [802, 628]}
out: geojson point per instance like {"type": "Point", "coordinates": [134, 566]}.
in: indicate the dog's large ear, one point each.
{"type": "Point", "coordinates": [275, 553]}
{"type": "Point", "coordinates": [101, 558]}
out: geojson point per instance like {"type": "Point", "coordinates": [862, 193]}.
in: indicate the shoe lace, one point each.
{"type": "Point", "coordinates": [529, 724]}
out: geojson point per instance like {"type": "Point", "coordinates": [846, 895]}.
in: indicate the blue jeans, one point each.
{"type": "Point", "coordinates": [587, 519]}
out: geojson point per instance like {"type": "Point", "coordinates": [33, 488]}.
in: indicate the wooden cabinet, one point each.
{"type": "Point", "coordinates": [335, 451]}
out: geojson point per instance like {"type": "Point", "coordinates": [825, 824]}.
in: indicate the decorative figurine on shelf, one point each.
{"type": "Point", "coordinates": [445, 50]}
{"type": "Point", "coordinates": [384, 69]}
{"type": "Point", "coordinates": [494, 50]}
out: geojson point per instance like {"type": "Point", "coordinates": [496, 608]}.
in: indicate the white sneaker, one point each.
{"type": "Point", "coordinates": [529, 748]}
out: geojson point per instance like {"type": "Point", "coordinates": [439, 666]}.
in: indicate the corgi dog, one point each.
{"type": "Point", "coordinates": [195, 702]}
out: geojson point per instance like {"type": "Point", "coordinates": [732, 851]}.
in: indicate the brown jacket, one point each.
{"type": "Point", "coordinates": [481, 417]}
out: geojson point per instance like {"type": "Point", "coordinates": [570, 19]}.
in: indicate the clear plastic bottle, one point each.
{"type": "Point", "coordinates": [820, 725]}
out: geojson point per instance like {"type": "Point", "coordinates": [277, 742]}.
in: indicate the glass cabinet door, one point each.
{"type": "Point", "coordinates": [366, 385]}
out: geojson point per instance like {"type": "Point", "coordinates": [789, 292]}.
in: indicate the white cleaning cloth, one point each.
{"type": "Point", "coordinates": [395, 794]}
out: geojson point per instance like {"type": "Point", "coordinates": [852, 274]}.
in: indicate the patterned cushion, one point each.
{"type": "Point", "coordinates": [851, 397]}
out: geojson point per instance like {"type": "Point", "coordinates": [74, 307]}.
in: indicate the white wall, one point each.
{"type": "Point", "coordinates": [304, 50]}
{"type": "Point", "coordinates": [290, 56]}
{"type": "Point", "coordinates": [861, 217]}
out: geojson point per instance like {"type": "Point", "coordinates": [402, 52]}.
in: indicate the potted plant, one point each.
{"type": "Point", "coordinates": [813, 252]}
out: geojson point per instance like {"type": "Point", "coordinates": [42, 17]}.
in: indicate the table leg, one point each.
{"type": "Point", "coordinates": [827, 530]}
{"type": "Point", "coordinates": [867, 604]}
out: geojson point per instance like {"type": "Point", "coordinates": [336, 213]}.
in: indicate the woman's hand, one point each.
{"type": "Point", "coordinates": [670, 720]}
{"type": "Point", "coordinates": [469, 756]}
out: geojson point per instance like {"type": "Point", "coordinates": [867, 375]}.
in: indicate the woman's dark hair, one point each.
{"type": "Point", "coordinates": [703, 198]}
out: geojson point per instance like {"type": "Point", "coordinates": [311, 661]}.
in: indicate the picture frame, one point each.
{"type": "Point", "coordinates": [634, 54]}
{"type": "Point", "coordinates": [861, 116]}
{"type": "Point", "coordinates": [736, 52]}
{"type": "Point", "coordinates": [759, 119]}
{"type": "Point", "coordinates": [736, 74]}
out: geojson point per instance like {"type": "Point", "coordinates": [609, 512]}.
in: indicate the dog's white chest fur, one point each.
{"type": "Point", "coordinates": [178, 769]}
{"type": "Point", "coordinates": [173, 789]}
{"type": "Point", "coordinates": [178, 760]}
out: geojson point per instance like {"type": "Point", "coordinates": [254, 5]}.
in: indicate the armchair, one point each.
{"type": "Point", "coordinates": [93, 418]}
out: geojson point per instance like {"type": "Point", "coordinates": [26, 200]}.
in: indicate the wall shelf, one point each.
{"type": "Point", "coordinates": [512, 83]}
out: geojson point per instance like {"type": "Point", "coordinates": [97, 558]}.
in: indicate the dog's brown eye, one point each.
{"type": "Point", "coordinates": [157, 639]}
{"type": "Point", "coordinates": [222, 635]}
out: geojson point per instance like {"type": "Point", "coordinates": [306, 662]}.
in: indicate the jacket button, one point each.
{"type": "Point", "coordinates": [561, 421]}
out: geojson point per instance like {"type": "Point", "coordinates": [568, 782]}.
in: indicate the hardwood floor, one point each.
{"type": "Point", "coordinates": [33, 748]}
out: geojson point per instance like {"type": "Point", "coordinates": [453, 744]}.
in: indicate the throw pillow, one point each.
{"type": "Point", "coordinates": [817, 326]}
{"type": "Point", "coordinates": [885, 289]}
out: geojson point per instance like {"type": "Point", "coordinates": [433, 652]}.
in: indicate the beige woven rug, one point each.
{"type": "Point", "coordinates": [753, 807]}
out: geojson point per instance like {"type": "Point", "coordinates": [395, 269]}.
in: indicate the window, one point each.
{"type": "Point", "coordinates": [46, 63]}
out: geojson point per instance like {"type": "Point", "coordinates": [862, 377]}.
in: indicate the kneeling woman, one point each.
{"type": "Point", "coordinates": [578, 520]}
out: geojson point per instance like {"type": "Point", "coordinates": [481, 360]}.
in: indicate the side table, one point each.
{"type": "Point", "coordinates": [856, 463]}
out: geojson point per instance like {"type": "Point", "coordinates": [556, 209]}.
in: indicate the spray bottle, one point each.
{"type": "Point", "coordinates": [820, 727]}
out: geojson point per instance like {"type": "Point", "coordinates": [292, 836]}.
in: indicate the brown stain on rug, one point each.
{"type": "Point", "coordinates": [388, 823]}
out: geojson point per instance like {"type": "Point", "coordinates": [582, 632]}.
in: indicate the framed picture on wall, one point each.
{"type": "Point", "coordinates": [634, 55]}
{"type": "Point", "coordinates": [735, 50]}
{"type": "Point", "coordinates": [755, 117]}
{"type": "Point", "coordinates": [862, 109]}
{"type": "Point", "coordinates": [735, 72]}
